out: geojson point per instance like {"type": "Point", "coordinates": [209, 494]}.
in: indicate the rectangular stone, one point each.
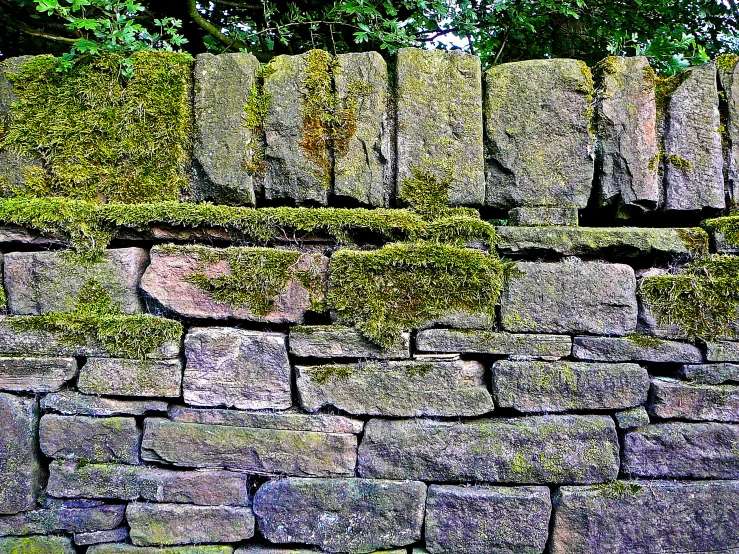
{"type": "Point", "coordinates": [73, 403]}
{"type": "Point", "coordinates": [674, 399]}
{"type": "Point", "coordinates": [249, 449]}
{"type": "Point", "coordinates": [335, 341]}
{"type": "Point", "coordinates": [36, 374]}
{"type": "Point", "coordinates": [530, 386]}
{"type": "Point", "coordinates": [728, 71]}
{"type": "Point", "coordinates": [624, 349]}
{"type": "Point", "coordinates": [110, 439]}
{"type": "Point", "coordinates": [402, 388]}
{"type": "Point", "coordinates": [129, 549]}
{"type": "Point", "coordinates": [722, 351]}
{"type": "Point", "coordinates": [529, 450]}
{"type": "Point", "coordinates": [40, 545]}
{"type": "Point", "coordinates": [100, 537]}
{"type": "Point", "coordinates": [122, 377]}
{"type": "Point", "coordinates": [20, 472]}
{"type": "Point", "coordinates": [259, 549]}
{"type": "Point", "coordinates": [710, 374]}
{"type": "Point", "coordinates": [62, 518]}
{"type": "Point", "coordinates": [543, 216]}
{"type": "Point", "coordinates": [632, 418]}
{"type": "Point", "coordinates": [499, 344]}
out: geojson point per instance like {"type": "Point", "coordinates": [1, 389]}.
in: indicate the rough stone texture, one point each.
{"type": "Point", "coordinates": [20, 474]}
{"type": "Point", "coordinates": [722, 351]}
{"type": "Point", "coordinates": [682, 451]}
{"type": "Point", "coordinates": [589, 297]}
{"type": "Point", "coordinates": [164, 284]}
{"type": "Point", "coordinates": [673, 399]}
{"type": "Point", "coordinates": [691, 134]}
{"type": "Point", "coordinates": [729, 81]}
{"type": "Point", "coordinates": [112, 439]}
{"type": "Point", "coordinates": [250, 449]}
{"type": "Point", "coordinates": [487, 520]}
{"type": "Point", "coordinates": [439, 128]}
{"type": "Point", "coordinates": [37, 545]}
{"type": "Point", "coordinates": [36, 374]}
{"type": "Point", "coordinates": [163, 524]}
{"type": "Point", "coordinates": [72, 403]}
{"type": "Point", "coordinates": [486, 342]}
{"type": "Point", "coordinates": [538, 450]}
{"type": "Point", "coordinates": [660, 517]}
{"type": "Point", "coordinates": [402, 389]}
{"type": "Point", "coordinates": [363, 171]}
{"type": "Point", "coordinates": [99, 537]}
{"type": "Point", "coordinates": [224, 145]}
{"type": "Point", "coordinates": [627, 133]}
{"type": "Point", "coordinates": [543, 216]}
{"type": "Point", "coordinates": [288, 421]}
{"type": "Point", "coordinates": [631, 419]}
{"type": "Point", "coordinates": [540, 151]}
{"type": "Point", "coordinates": [333, 341]}
{"type": "Point", "coordinates": [38, 282]}
{"type": "Point", "coordinates": [233, 367]}
{"type": "Point", "coordinates": [257, 549]}
{"type": "Point", "coordinates": [128, 549]}
{"type": "Point", "coordinates": [710, 374]}
{"type": "Point", "coordinates": [341, 515]}
{"type": "Point", "coordinates": [122, 377]}
{"type": "Point", "coordinates": [623, 349]}
{"type": "Point", "coordinates": [563, 386]}
{"type": "Point", "coordinates": [84, 518]}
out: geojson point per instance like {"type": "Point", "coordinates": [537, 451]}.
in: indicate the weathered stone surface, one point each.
{"type": "Point", "coordinates": [563, 386]}
{"type": "Point", "coordinates": [537, 450]}
{"type": "Point", "coordinates": [623, 349]}
{"type": "Point", "coordinates": [38, 282]}
{"type": "Point", "coordinates": [728, 73]}
{"type": "Point", "coordinates": [588, 297]}
{"type": "Point", "coordinates": [682, 451]}
{"type": "Point", "coordinates": [36, 374]}
{"type": "Point", "coordinates": [539, 149]}
{"type": "Point", "coordinates": [693, 156]}
{"type": "Point", "coordinates": [112, 439]}
{"type": "Point", "coordinates": [628, 144]}
{"type": "Point", "coordinates": [164, 283]}
{"type": "Point", "coordinates": [37, 545]}
{"type": "Point", "coordinates": [100, 537]}
{"type": "Point", "coordinates": [722, 351]}
{"type": "Point", "coordinates": [288, 421]}
{"type": "Point", "coordinates": [341, 515]}
{"type": "Point", "coordinates": [334, 341]}
{"type": "Point", "coordinates": [234, 367]}
{"type": "Point", "coordinates": [128, 549]}
{"type": "Point", "coordinates": [659, 517]}
{"type": "Point", "coordinates": [486, 342]}
{"type": "Point", "coordinates": [257, 549]}
{"type": "Point", "coordinates": [72, 519]}
{"type": "Point", "coordinates": [20, 474]}
{"type": "Point", "coordinates": [163, 524]}
{"type": "Point", "coordinates": [72, 403]}
{"type": "Point", "coordinates": [363, 171]}
{"type": "Point", "coordinates": [487, 520]}
{"type": "Point", "coordinates": [122, 377]}
{"type": "Point", "coordinates": [256, 450]}
{"type": "Point", "coordinates": [543, 216]}
{"type": "Point", "coordinates": [224, 145]}
{"type": "Point", "coordinates": [439, 110]}
{"type": "Point", "coordinates": [710, 374]}
{"type": "Point", "coordinates": [631, 419]}
{"type": "Point", "coordinates": [403, 389]}
{"type": "Point", "coordinates": [674, 399]}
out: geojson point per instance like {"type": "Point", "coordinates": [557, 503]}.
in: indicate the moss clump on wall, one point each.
{"type": "Point", "coordinates": [644, 341]}
{"type": "Point", "coordinates": [426, 194]}
{"type": "Point", "coordinates": [103, 137]}
{"type": "Point", "coordinates": [727, 62]}
{"type": "Point", "coordinates": [728, 226]}
{"type": "Point", "coordinates": [400, 286]}
{"type": "Point", "coordinates": [664, 87]}
{"type": "Point", "coordinates": [255, 113]}
{"type": "Point", "coordinates": [618, 489]}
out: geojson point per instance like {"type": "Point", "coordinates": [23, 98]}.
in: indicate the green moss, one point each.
{"type": "Point", "coordinates": [695, 240]}
{"type": "Point", "coordinates": [34, 545]}
{"type": "Point", "coordinates": [728, 226]}
{"type": "Point", "coordinates": [419, 369]}
{"type": "Point", "coordinates": [664, 87]}
{"type": "Point", "coordinates": [678, 162]}
{"type": "Point", "coordinates": [644, 341]}
{"type": "Point", "coordinates": [426, 194]}
{"type": "Point", "coordinates": [102, 137]}
{"type": "Point", "coordinates": [727, 62]}
{"type": "Point", "coordinates": [322, 374]}
{"type": "Point", "coordinates": [618, 489]}
{"type": "Point", "coordinates": [255, 113]}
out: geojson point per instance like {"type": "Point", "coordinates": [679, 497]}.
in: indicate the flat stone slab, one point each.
{"type": "Point", "coordinates": [99, 537]}
{"type": "Point", "coordinates": [266, 451]}
{"type": "Point", "coordinates": [487, 342]}
{"type": "Point", "coordinates": [36, 374]}
{"type": "Point", "coordinates": [402, 388]}
{"type": "Point", "coordinates": [163, 524]}
{"type": "Point", "coordinates": [20, 473]}
{"type": "Point", "coordinates": [710, 374]}
{"type": "Point", "coordinates": [129, 549]}
{"type": "Point", "coordinates": [37, 545]}
{"type": "Point", "coordinates": [588, 519]}
{"type": "Point", "coordinates": [73, 403]}
{"type": "Point", "coordinates": [530, 450]}
{"type": "Point", "coordinates": [530, 386]}
{"type": "Point", "coordinates": [62, 518]}
{"type": "Point", "coordinates": [587, 297]}
{"type": "Point", "coordinates": [632, 418]}
{"type": "Point", "coordinates": [682, 451]}
{"type": "Point", "coordinates": [122, 377]}
{"type": "Point", "coordinates": [112, 439]}
{"type": "Point", "coordinates": [248, 370]}
{"type": "Point", "coordinates": [258, 549]}
{"type": "Point", "coordinates": [722, 351]}
{"type": "Point", "coordinates": [341, 515]}
{"type": "Point", "coordinates": [543, 216]}
{"type": "Point", "coordinates": [623, 349]}
{"type": "Point", "coordinates": [334, 341]}
{"type": "Point", "coordinates": [674, 399]}
{"type": "Point", "coordinates": [487, 520]}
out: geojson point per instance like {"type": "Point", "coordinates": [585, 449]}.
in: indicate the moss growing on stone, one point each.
{"type": "Point", "coordinates": [695, 240]}
{"type": "Point", "coordinates": [727, 62]}
{"type": "Point", "coordinates": [678, 162]}
{"type": "Point", "coordinates": [728, 226]}
{"type": "Point", "coordinates": [644, 341]}
{"type": "Point", "coordinates": [255, 113]}
{"type": "Point", "coordinates": [322, 374]}
{"type": "Point", "coordinates": [664, 87]}
{"type": "Point", "coordinates": [618, 489]}
{"type": "Point", "coordinates": [426, 194]}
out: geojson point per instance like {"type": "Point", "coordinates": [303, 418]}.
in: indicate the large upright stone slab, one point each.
{"type": "Point", "coordinates": [341, 515]}
{"type": "Point", "coordinates": [236, 368]}
{"type": "Point", "coordinates": [36, 374]}
{"type": "Point", "coordinates": [693, 156]}
{"type": "Point", "coordinates": [38, 282]}
{"type": "Point", "coordinates": [530, 450]}
{"type": "Point", "coordinates": [500, 344]}
{"type": "Point", "coordinates": [113, 439]}
{"type": "Point", "coordinates": [540, 151]}
{"type": "Point", "coordinates": [660, 516]}
{"type": "Point", "coordinates": [122, 377]}
{"type": "Point", "coordinates": [224, 144]}
{"type": "Point", "coordinates": [728, 73]}
{"type": "Point", "coordinates": [20, 474]}
{"type": "Point", "coordinates": [588, 297]}
{"type": "Point", "coordinates": [439, 127]}
{"type": "Point", "coordinates": [674, 399]}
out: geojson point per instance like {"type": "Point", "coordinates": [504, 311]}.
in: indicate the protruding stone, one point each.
{"type": "Point", "coordinates": [439, 133]}
{"type": "Point", "coordinates": [656, 517]}
{"type": "Point", "coordinates": [543, 216]}
{"type": "Point", "coordinates": [99, 537]}
{"type": "Point", "coordinates": [122, 377]}
{"type": "Point", "coordinates": [710, 374]}
{"type": "Point", "coordinates": [673, 399]}
{"type": "Point", "coordinates": [129, 549]}
{"type": "Point", "coordinates": [334, 341]}
{"type": "Point", "coordinates": [248, 370]}
{"type": "Point", "coordinates": [693, 156]}
{"type": "Point", "coordinates": [728, 73]}
{"type": "Point", "coordinates": [623, 349]}
{"type": "Point", "coordinates": [682, 451]}
{"type": "Point", "coordinates": [536, 450]}
{"type": "Point", "coordinates": [36, 374]}
{"type": "Point", "coordinates": [163, 524]}
{"type": "Point", "coordinates": [722, 351]}
{"type": "Point", "coordinates": [224, 144]}
{"type": "Point", "coordinates": [487, 520]}
{"type": "Point", "coordinates": [540, 151]}
{"type": "Point", "coordinates": [631, 419]}
{"type": "Point", "coordinates": [94, 516]}
{"type": "Point", "coordinates": [20, 474]}
{"type": "Point", "coordinates": [112, 439]}
{"type": "Point", "coordinates": [341, 515]}
{"type": "Point", "coordinates": [72, 403]}
{"type": "Point", "coordinates": [588, 297]}
{"type": "Point", "coordinates": [37, 545]}
{"type": "Point", "coordinates": [499, 344]}
{"type": "Point", "coordinates": [402, 389]}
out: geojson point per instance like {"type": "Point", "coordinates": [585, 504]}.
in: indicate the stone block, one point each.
{"type": "Point", "coordinates": [20, 473]}
{"type": "Point", "coordinates": [722, 351]}
{"type": "Point", "coordinates": [111, 439]}
{"type": "Point", "coordinates": [543, 216]}
{"type": "Point", "coordinates": [84, 517]}
{"type": "Point", "coordinates": [623, 349]}
{"type": "Point", "coordinates": [122, 377]}
{"type": "Point", "coordinates": [632, 418]}
{"type": "Point", "coordinates": [710, 374]}
{"type": "Point", "coordinates": [728, 73]}
{"type": "Point", "coordinates": [674, 399]}
{"type": "Point", "coordinates": [73, 403]}
{"type": "Point", "coordinates": [335, 341]}
{"type": "Point", "coordinates": [36, 374]}
{"type": "Point", "coordinates": [259, 549]}
{"type": "Point", "coordinates": [129, 549]}
{"type": "Point", "coordinates": [37, 545]}
{"type": "Point", "coordinates": [101, 537]}
{"type": "Point", "coordinates": [499, 344]}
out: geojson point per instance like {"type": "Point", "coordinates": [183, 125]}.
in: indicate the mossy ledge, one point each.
{"type": "Point", "coordinates": [728, 226]}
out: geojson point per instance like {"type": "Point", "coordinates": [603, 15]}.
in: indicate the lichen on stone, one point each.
{"type": "Point", "coordinates": [644, 341]}
{"type": "Point", "coordinates": [618, 489]}
{"type": "Point", "coordinates": [727, 62]}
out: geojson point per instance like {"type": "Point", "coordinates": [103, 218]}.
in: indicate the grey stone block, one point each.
{"type": "Point", "coordinates": [487, 342]}
{"type": "Point", "coordinates": [674, 399]}
{"type": "Point", "coordinates": [85, 518]}
{"type": "Point", "coordinates": [623, 349]}
{"type": "Point", "coordinates": [20, 471]}
{"type": "Point", "coordinates": [122, 377]}
{"type": "Point", "coordinates": [546, 216]}
{"type": "Point", "coordinates": [73, 403]}
{"type": "Point", "coordinates": [112, 439]}
{"type": "Point", "coordinates": [36, 374]}
{"type": "Point", "coordinates": [335, 341]}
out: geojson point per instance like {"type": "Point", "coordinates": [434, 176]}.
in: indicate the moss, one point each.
{"type": "Point", "coordinates": [618, 489]}
{"type": "Point", "coordinates": [678, 162]}
{"type": "Point", "coordinates": [322, 374]}
{"type": "Point", "coordinates": [426, 194]}
{"type": "Point", "coordinates": [644, 341]}
{"type": "Point", "coordinates": [255, 113]}
{"type": "Point", "coordinates": [34, 545]}
{"type": "Point", "coordinates": [419, 369]}
{"type": "Point", "coordinates": [727, 62]}
{"type": "Point", "coordinates": [695, 240]}
{"type": "Point", "coordinates": [728, 226]}
{"type": "Point", "coordinates": [664, 87]}
{"type": "Point", "coordinates": [102, 137]}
